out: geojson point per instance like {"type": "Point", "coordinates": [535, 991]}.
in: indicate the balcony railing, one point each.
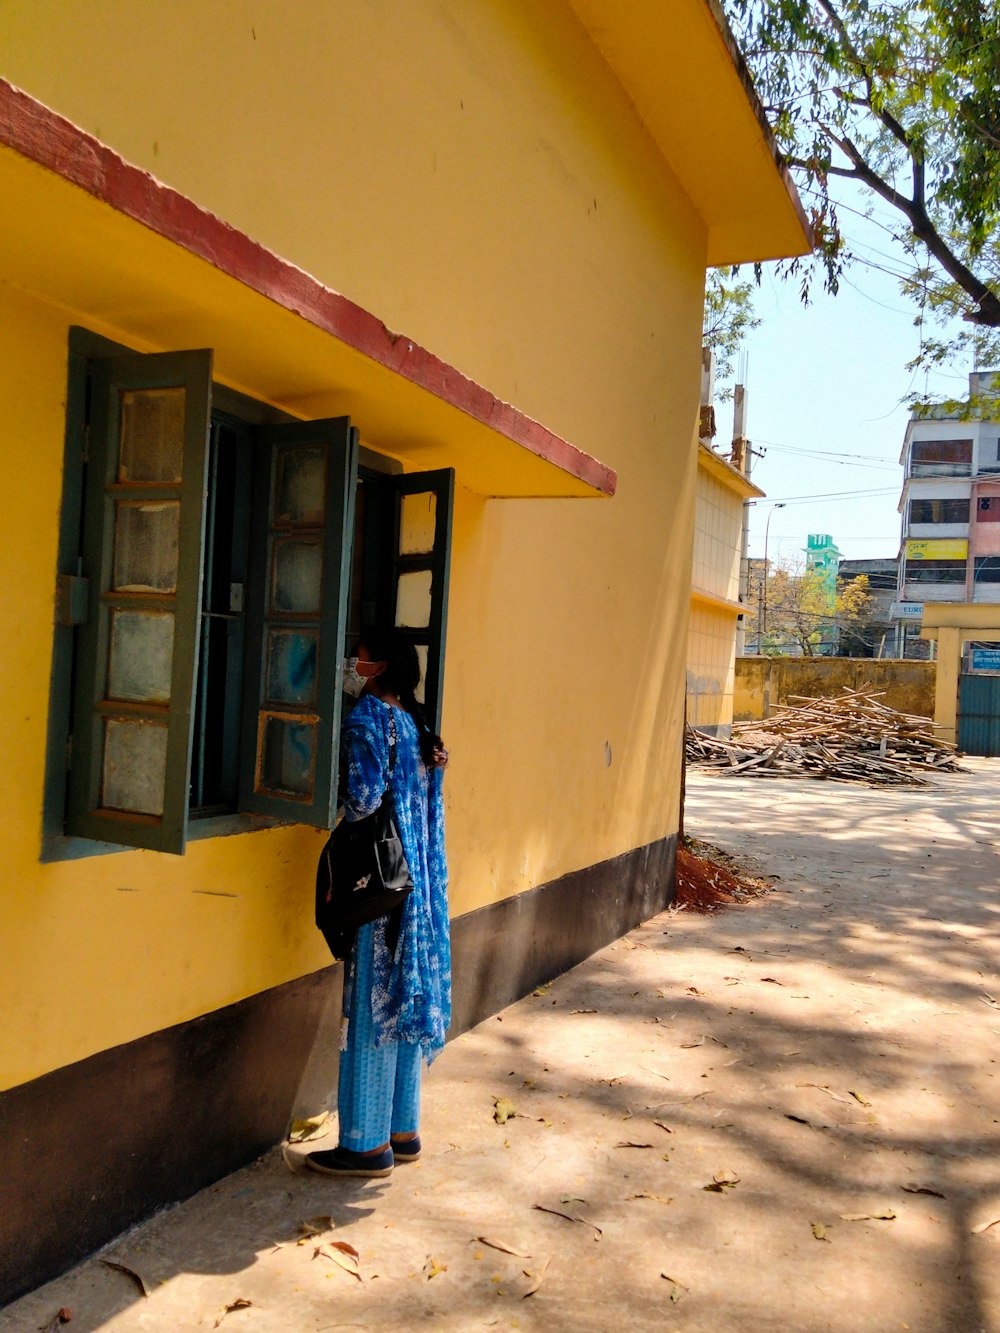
{"type": "Point", "coordinates": [940, 469]}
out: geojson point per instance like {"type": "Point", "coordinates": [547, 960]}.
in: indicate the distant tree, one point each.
{"type": "Point", "coordinates": [903, 100]}
{"type": "Point", "coordinates": [729, 317]}
{"type": "Point", "coordinates": [797, 610]}
{"type": "Point", "coordinates": [855, 610]}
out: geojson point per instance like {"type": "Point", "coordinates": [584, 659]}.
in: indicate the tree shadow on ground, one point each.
{"type": "Point", "coordinates": [832, 1045]}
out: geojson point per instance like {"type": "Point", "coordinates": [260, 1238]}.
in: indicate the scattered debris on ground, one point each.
{"type": "Point", "coordinates": [709, 878]}
{"type": "Point", "coordinates": [849, 738]}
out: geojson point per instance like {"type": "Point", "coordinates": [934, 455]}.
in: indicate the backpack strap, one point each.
{"type": "Point", "coordinates": [392, 739]}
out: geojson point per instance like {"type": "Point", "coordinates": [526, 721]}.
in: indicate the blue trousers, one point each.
{"type": "Point", "coordinates": [379, 1090]}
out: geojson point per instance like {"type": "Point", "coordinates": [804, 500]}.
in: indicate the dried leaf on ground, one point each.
{"type": "Point", "coordinates": [886, 1215]}
{"type": "Point", "coordinates": [583, 1011]}
{"type": "Point", "coordinates": [988, 999]}
{"type": "Point", "coordinates": [308, 1129]}
{"type": "Point", "coordinates": [801, 1120]}
{"type": "Point", "coordinates": [922, 1189]}
{"type": "Point", "coordinates": [570, 1217]}
{"type": "Point", "coordinates": [572, 1198]}
{"type": "Point", "coordinates": [858, 1097]}
{"type": "Point", "coordinates": [504, 1110]}
{"type": "Point", "coordinates": [627, 1143]}
{"type": "Point", "coordinates": [722, 1181]}
{"type": "Point", "coordinates": [129, 1272]}
{"type": "Point", "coordinates": [984, 1226]}
{"type": "Point", "coordinates": [62, 1316]}
{"type": "Point", "coordinates": [773, 980]}
{"type": "Point", "coordinates": [659, 1073]}
{"type": "Point", "coordinates": [343, 1255]}
{"type": "Point", "coordinates": [821, 1087]}
{"type": "Point", "coordinates": [690, 1045]}
{"type": "Point", "coordinates": [676, 1287]}
{"type": "Point", "coordinates": [315, 1226]}
{"type": "Point", "coordinates": [241, 1303]}
{"type": "Point", "coordinates": [657, 1198]}
{"type": "Point", "coordinates": [819, 1231]}
{"type": "Point", "coordinates": [432, 1267]}
{"type": "Point", "coordinates": [503, 1247]}
{"type": "Point", "coordinates": [536, 1278]}
{"type": "Point", "coordinates": [660, 1125]}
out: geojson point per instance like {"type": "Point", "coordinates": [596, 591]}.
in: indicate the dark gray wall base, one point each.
{"type": "Point", "coordinates": [502, 952]}
{"type": "Point", "coordinates": [93, 1148]}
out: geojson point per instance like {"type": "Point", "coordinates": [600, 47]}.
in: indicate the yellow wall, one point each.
{"type": "Point", "coordinates": [715, 574]}
{"type": "Point", "coordinates": [764, 682]}
{"type": "Point", "coordinates": [474, 176]}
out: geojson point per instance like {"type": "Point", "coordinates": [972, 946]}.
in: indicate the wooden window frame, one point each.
{"type": "Point", "coordinates": [57, 844]}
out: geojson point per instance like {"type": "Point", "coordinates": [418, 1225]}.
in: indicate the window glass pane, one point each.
{"type": "Point", "coordinates": [413, 599]}
{"type": "Point", "coordinates": [297, 576]}
{"type": "Point", "coordinates": [416, 523]}
{"type": "Point", "coordinates": [291, 667]}
{"type": "Point", "coordinates": [141, 658]}
{"type": "Point", "coordinates": [422, 651]}
{"type": "Point", "coordinates": [146, 545]}
{"type": "Point", "coordinates": [300, 496]}
{"type": "Point", "coordinates": [152, 435]}
{"type": "Point", "coordinates": [941, 451]}
{"type": "Point", "coordinates": [288, 758]}
{"type": "Point", "coordinates": [135, 766]}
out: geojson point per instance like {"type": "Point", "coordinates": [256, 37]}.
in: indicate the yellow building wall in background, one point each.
{"type": "Point", "coordinates": [718, 528]}
{"type": "Point", "coordinates": [475, 177]}
{"type": "Point", "coordinates": [715, 581]}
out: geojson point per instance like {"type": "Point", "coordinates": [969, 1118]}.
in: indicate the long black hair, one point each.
{"type": "Point", "coordinates": [401, 677]}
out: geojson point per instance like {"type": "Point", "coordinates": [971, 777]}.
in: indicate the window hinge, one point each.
{"type": "Point", "coordinates": [72, 599]}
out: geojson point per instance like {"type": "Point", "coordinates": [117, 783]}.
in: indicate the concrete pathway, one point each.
{"type": "Point", "coordinates": [825, 1057]}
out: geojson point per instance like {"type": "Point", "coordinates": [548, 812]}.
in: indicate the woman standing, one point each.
{"type": "Point", "coordinates": [397, 993]}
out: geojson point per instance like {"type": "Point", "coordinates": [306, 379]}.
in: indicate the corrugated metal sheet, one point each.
{"type": "Point", "coordinates": [979, 714]}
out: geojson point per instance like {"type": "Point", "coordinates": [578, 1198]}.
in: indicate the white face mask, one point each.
{"type": "Point", "coordinates": [353, 682]}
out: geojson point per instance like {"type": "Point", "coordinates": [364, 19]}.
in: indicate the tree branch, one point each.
{"type": "Point", "coordinates": [987, 301]}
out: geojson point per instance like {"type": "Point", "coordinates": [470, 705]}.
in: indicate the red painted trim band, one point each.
{"type": "Point", "coordinates": [51, 141]}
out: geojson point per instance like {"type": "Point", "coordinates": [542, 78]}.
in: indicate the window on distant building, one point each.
{"type": "Point", "coordinates": [935, 571]}
{"type": "Point", "coordinates": [939, 511]}
{"type": "Point", "coordinates": [197, 664]}
{"type": "Point", "coordinates": [987, 570]}
{"type": "Point", "coordinates": [941, 458]}
{"type": "Point", "coordinates": [988, 509]}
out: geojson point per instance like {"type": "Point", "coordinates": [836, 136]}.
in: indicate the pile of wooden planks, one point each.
{"type": "Point", "coordinates": [849, 738]}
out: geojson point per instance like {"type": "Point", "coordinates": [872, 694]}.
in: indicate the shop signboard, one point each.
{"type": "Point", "coordinates": [940, 548]}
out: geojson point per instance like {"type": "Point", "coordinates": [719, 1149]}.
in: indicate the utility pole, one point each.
{"type": "Point", "coordinates": [762, 610]}
{"type": "Point", "coordinates": [742, 457]}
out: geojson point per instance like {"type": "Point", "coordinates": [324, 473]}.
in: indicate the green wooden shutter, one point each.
{"type": "Point", "coordinates": [301, 536]}
{"type": "Point", "coordinates": [421, 563]}
{"type": "Point", "coordinates": [144, 517]}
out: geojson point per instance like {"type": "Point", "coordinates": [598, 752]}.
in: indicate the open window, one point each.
{"type": "Point", "coordinates": [402, 549]}
{"type": "Point", "coordinates": [143, 544]}
{"type": "Point", "coordinates": [300, 577]}
{"type": "Point", "coordinates": [203, 592]}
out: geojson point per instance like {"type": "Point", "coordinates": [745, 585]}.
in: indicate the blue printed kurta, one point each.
{"type": "Point", "coordinates": [411, 992]}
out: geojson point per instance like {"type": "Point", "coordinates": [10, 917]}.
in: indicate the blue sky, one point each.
{"type": "Point", "coordinates": [830, 379]}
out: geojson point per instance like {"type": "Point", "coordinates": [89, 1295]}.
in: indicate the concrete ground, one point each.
{"type": "Point", "coordinates": [826, 1057]}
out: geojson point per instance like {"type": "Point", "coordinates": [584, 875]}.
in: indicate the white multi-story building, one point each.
{"type": "Point", "coordinates": [950, 504]}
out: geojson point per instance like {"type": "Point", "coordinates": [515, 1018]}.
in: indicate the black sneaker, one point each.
{"type": "Point", "coordinates": [406, 1150]}
{"type": "Point", "coordinates": [343, 1162]}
